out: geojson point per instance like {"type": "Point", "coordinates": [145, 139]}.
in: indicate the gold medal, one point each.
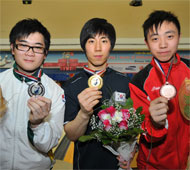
{"type": "Point", "coordinates": [168, 91]}
{"type": "Point", "coordinates": [95, 81]}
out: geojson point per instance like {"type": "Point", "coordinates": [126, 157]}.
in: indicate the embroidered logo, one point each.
{"type": "Point", "coordinates": [63, 97]}
{"type": "Point", "coordinates": [155, 88]}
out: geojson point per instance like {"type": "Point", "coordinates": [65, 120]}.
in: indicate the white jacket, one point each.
{"type": "Point", "coordinates": [16, 151]}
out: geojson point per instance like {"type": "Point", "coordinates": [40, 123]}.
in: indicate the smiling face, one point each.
{"type": "Point", "coordinates": [97, 51]}
{"type": "Point", "coordinates": [163, 43]}
{"type": "Point", "coordinates": [28, 62]}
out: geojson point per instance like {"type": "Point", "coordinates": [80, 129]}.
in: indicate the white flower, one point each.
{"type": "Point", "coordinates": [105, 117]}
{"type": "Point", "coordinates": [117, 117]}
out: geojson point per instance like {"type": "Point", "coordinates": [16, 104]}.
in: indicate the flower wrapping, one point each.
{"type": "Point", "coordinates": [117, 126]}
{"type": "Point", "coordinates": [124, 150]}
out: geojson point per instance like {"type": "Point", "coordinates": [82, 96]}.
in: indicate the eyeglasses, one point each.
{"type": "Point", "coordinates": [25, 48]}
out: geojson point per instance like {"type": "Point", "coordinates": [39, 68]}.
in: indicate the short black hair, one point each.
{"type": "Point", "coordinates": [156, 18]}
{"type": "Point", "coordinates": [27, 26]}
{"type": "Point", "coordinates": [96, 26]}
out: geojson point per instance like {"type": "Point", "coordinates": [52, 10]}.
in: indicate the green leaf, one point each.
{"type": "Point", "coordinates": [187, 111]}
{"type": "Point", "coordinates": [139, 110]}
{"type": "Point", "coordinates": [128, 103]}
{"type": "Point", "coordinates": [106, 141]}
{"type": "Point", "coordinates": [187, 99]}
{"type": "Point", "coordinates": [142, 117]}
{"type": "Point", "coordinates": [86, 138]}
{"type": "Point", "coordinates": [103, 107]}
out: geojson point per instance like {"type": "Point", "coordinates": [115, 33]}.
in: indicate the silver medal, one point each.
{"type": "Point", "coordinates": [36, 89]}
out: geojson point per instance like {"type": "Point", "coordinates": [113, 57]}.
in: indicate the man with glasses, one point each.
{"type": "Point", "coordinates": [33, 122]}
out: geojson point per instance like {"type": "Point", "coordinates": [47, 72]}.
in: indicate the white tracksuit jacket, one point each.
{"type": "Point", "coordinates": [16, 151]}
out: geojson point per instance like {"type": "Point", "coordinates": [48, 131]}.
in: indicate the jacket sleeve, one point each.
{"type": "Point", "coordinates": [151, 134]}
{"type": "Point", "coordinates": [46, 135]}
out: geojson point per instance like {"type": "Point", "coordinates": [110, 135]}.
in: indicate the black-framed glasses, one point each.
{"type": "Point", "coordinates": [25, 48]}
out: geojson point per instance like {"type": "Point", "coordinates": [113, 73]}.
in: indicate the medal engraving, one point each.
{"type": "Point", "coordinates": [95, 81]}
{"type": "Point", "coordinates": [36, 89]}
{"type": "Point", "coordinates": [168, 91]}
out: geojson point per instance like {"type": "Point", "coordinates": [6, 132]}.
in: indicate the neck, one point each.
{"type": "Point", "coordinates": [173, 58]}
{"type": "Point", "coordinates": [27, 72]}
{"type": "Point", "coordinates": [97, 68]}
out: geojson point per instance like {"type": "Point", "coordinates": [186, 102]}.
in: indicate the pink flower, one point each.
{"type": "Point", "coordinates": [107, 125]}
{"type": "Point", "coordinates": [111, 110]}
{"type": "Point", "coordinates": [126, 114]}
{"type": "Point", "coordinates": [103, 115]}
{"type": "Point", "coordinates": [123, 125]}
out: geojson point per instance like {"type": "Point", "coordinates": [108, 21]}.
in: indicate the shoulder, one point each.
{"type": "Point", "coordinates": [139, 79]}
{"type": "Point", "coordinates": [142, 75]}
{"type": "Point", "coordinates": [6, 74]}
{"type": "Point", "coordinates": [50, 83]}
{"type": "Point", "coordinates": [77, 79]}
{"type": "Point", "coordinates": [117, 75]}
{"type": "Point", "coordinates": [8, 71]}
{"type": "Point", "coordinates": [186, 62]}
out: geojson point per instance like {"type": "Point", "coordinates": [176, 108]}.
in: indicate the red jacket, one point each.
{"type": "Point", "coordinates": [161, 148]}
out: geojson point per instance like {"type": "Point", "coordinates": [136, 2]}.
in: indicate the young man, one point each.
{"type": "Point", "coordinates": [33, 122]}
{"type": "Point", "coordinates": [165, 145]}
{"type": "Point", "coordinates": [97, 39]}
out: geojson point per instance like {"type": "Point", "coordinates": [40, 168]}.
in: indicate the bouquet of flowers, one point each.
{"type": "Point", "coordinates": [2, 104]}
{"type": "Point", "coordinates": [117, 126]}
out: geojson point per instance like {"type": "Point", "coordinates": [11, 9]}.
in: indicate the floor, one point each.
{"type": "Point", "coordinates": [61, 165]}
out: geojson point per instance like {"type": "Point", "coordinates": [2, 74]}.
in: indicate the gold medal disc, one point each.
{"type": "Point", "coordinates": [95, 81]}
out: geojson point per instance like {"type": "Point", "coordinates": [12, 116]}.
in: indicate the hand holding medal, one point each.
{"type": "Point", "coordinates": [40, 108]}
{"type": "Point", "coordinates": [2, 104]}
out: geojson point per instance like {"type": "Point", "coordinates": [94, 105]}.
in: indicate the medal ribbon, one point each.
{"type": "Point", "coordinates": [30, 77]}
{"type": "Point", "coordinates": [162, 70]}
{"type": "Point", "coordinates": [92, 72]}
{"type": "Point", "coordinates": [34, 88]}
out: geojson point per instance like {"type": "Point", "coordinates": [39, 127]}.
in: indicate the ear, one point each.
{"type": "Point", "coordinates": [45, 54]}
{"type": "Point", "coordinates": [179, 37]}
{"type": "Point", "coordinates": [12, 49]}
{"type": "Point", "coordinates": [43, 62]}
{"type": "Point", "coordinates": [146, 42]}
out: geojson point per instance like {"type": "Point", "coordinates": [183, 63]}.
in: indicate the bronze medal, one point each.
{"type": "Point", "coordinates": [36, 89]}
{"type": "Point", "coordinates": [95, 81]}
{"type": "Point", "coordinates": [168, 91]}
